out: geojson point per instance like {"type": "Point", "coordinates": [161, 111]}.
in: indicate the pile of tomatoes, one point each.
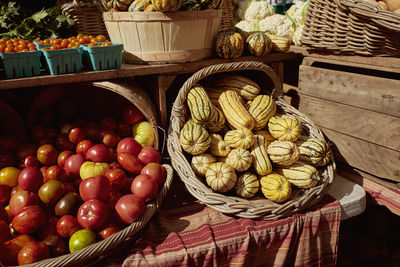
{"type": "Point", "coordinates": [71, 42]}
{"type": "Point", "coordinates": [16, 45]}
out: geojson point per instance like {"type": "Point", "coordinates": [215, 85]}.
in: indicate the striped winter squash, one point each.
{"type": "Point", "coordinates": [284, 128]}
{"type": "Point", "coordinates": [315, 152]}
{"type": "Point", "coordinates": [258, 44]}
{"type": "Point", "coordinates": [261, 108]}
{"type": "Point", "coordinates": [199, 105]}
{"type": "Point", "coordinates": [240, 159]}
{"type": "Point", "coordinates": [229, 44]}
{"type": "Point", "coordinates": [275, 187]}
{"type": "Point", "coordinates": [194, 138]}
{"type": "Point", "coordinates": [247, 185]}
{"type": "Point", "coordinates": [221, 177]}
{"type": "Point", "coordinates": [200, 163]}
{"type": "Point", "coordinates": [283, 152]}
{"type": "Point", "coordinates": [261, 162]}
{"type": "Point", "coordinates": [300, 174]}
{"type": "Point", "coordinates": [166, 5]}
{"type": "Point", "coordinates": [141, 5]}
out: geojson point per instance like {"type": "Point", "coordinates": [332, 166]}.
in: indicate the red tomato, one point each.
{"type": "Point", "coordinates": [144, 187]}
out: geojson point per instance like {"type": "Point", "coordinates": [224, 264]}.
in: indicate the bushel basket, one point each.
{"type": "Point", "coordinates": [351, 27]}
{"type": "Point", "coordinates": [257, 207]}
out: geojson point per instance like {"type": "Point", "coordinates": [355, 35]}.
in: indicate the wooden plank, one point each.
{"type": "Point", "coordinates": [373, 93]}
{"type": "Point", "coordinates": [367, 125]}
{"type": "Point", "coordinates": [386, 62]}
{"type": "Point", "coordinates": [366, 156]}
{"type": "Point", "coordinates": [129, 70]}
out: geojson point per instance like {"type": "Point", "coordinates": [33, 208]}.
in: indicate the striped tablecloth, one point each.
{"type": "Point", "coordinates": [187, 233]}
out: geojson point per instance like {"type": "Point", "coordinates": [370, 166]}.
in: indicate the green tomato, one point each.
{"type": "Point", "coordinates": [81, 239]}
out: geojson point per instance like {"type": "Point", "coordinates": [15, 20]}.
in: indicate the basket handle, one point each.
{"type": "Point", "coordinates": [383, 18]}
{"type": "Point", "coordinates": [277, 92]}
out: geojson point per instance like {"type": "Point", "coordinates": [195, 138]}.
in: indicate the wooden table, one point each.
{"type": "Point", "coordinates": [165, 73]}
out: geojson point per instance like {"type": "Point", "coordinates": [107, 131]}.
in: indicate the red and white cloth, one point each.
{"type": "Point", "coordinates": [187, 233]}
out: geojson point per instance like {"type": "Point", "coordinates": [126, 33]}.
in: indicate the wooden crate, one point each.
{"type": "Point", "coordinates": [357, 105]}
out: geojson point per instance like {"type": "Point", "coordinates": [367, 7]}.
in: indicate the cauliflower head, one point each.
{"type": "Point", "coordinates": [277, 24]}
{"type": "Point", "coordinates": [298, 12]}
{"type": "Point", "coordinates": [251, 10]}
{"type": "Point", "coordinates": [297, 35]}
{"type": "Point", "coordinates": [248, 26]}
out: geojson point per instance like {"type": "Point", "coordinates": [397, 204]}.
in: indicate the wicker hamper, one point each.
{"type": "Point", "coordinates": [259, 207]}
{"type": "Point", "coordinates": [351, 27]}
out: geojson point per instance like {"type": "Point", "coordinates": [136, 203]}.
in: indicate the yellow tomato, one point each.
{"type": "Point", "coordinates": [9, 176]}
{"type": "Point", "coordinates": [143, 133]}
{"type": "Point", "coordinates": [91, 169]}
{"type": "Point", "coordinates": [8, 212]}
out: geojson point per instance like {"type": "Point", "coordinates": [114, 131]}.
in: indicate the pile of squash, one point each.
{"type": "Point", "coordinates": [239, 143]}
{"type": "Point", "coordinates": [160, 5]}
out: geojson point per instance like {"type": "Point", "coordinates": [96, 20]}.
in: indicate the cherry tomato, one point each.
{"type": "Point", "coordinates": [2, 47]}
{"type": "Point", "coordinates": [3, 40]}
{"type": "Point", "coordinates": [100, 38]}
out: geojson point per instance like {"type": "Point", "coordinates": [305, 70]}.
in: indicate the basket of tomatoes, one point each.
{"type": "Point", "coordinates": [102, 56]}
{"type": "Point", "coordinates": [20, 58]}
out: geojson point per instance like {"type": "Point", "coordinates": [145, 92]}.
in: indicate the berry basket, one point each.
{"type": "Point", "coordinates": [257, 207]}
{"type": "Point", "coordinates": [63, 61]}
{"type": "Point", "coordinates": [102, 57]}
{"type": "Point", "coordinates": [22, 64]}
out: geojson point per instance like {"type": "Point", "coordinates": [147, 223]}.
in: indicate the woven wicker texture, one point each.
{"type": "Point", "coordinates": [227, 15]}
{"type": "Point", "coordinates": [88, 16]}
{"type": "Point", "coordinates": [260, 208]}
{"type": "Point", "coordinates": [351, 27]}
{"type": "Point", "coordinates": [99, 249]}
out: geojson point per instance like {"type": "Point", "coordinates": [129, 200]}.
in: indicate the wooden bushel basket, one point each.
{"type": "Point", "coordinates": [169, 37]}
{"type": "Point", "coordinates": [257, 207]}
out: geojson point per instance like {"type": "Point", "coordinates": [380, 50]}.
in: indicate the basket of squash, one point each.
{"type": "Point", "coordinates": [240, 148]}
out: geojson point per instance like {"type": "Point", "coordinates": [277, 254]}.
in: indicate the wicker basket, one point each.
{"type": "Point", "coordinates": [100, 249]}
{"type": "Point", "coordinates": [351, 27]}
{"type": "Point", "coordinates": [227, 20]}
{"type": "Point", "coordinates": [260, 207]}
{"type": "Point", "coordinates": [87, 15]}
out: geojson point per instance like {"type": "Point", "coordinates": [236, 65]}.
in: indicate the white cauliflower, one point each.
{"type": "Point", "coordinates": [298, 12]}
{"type": "Point", "coordinates": [251, 10]}
{"type": "Point", "coordinates": [297, 35]}
{"type": "Point", "coordinates": [243, 25]}
{"type": "Point", "coordinates": [277, 24]}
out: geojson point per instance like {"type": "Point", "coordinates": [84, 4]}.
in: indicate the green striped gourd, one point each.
{"type": "Point", "coordinates": [199, 104]}
{"type": "Point", "coordinates": [221, 177]}
{"type": "Point", "coordinates": [258, 44]}
{"type": "Point", "coordinates": [235, 112]}
{"type": "Point", "coordinates": [141, 5]}
{"type": "Point", "coordinates": [239, 138]}
{"type": "Point", "coordinates": [284, 128]}
{"type": "Point", "coordinates": [217, 121]}
{"type": "Point", "coordinates": [229, 44]}
{"type": "Point", "coordinates": [240, 159]}
{"type": "Point", "coordinates": [200, 163]}
{"type": "Point", "coordinates": [243, 86]}
{"type": "Point", "coordinates": [247, 185]}
{"type": "Point", "coordinates": [275, 187]}
{"type": "Point", "coordinates": [190, 5]}
{"type": "Point", "coordinates": [261, 108]}
{"type": "Point", "coordinates": [261, 162]}
{"type": "Point", "coordinates": [283, 152]}
{"type": "Point", "coordinates": [194, 138]}
{"type": "Point", "coordinates": [218, 147]}
{"type": "Point", "coordinates": [268, 137]}
{"type": "Point", "coordinates": [300, 174]}
{"type": "Point", "coordinates": [315, 152]}
{"type": "Point", "coordinates": [166, 5]}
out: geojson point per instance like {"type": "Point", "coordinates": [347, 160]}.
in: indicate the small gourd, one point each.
{"type": "Point", "coordinates": [229, 44]}
{"type": "Point", "coordinates": [239, 138]}
{"type": "Point", "coordinates": [247, 185]}
{"type": "Point", "coordinates": [194, 138]}
{"type": "Point", "coordinates": [268, 137]}
{"type": "Point", "coordinates": [284, 128]}
{"type": "Point", "coordinates": [199, 105]}
{"type": "Point", "coordinates": [258, 44]}
{"type": "Point", "coordinates": [315, 152]}
{"type": "Point", "coordinates": [218, 147]}
{"type": "Point", "coordinates": [300, 174]}
{"type": "Point", "coordinates": [200, 163]}
{"type": "Point", "coordinates": [141, 5]}
{"type": "Point", "coordinates": [275, 187]}
{"type": "Point", "coordinates": [217, 120]}
{"type": "Point", "coordinates": [243, 86]}
{"type": "Point", "coordinates": [283, 152]}
{"type": "Point", "coordinates": [261, 162]}
{"type": "Point", "coordinates": [221, 177]}
{"type": "Point", "coordinates": [166, 5]}
{"type": "Point", "coordinates": [261, 108]}
{"type": "Point", "coordinates": [240, 159]}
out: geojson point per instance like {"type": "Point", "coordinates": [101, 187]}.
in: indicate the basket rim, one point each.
{"type": "Point", "coordinates": [253, 208]}
{"type": "Point", "coordinates": [99, 248]}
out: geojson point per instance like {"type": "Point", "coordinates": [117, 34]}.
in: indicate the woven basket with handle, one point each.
{"type": "Point", "coordinates": [99, 250]}
{"type": "Point", "coordinates": [351, 27]}
{"type": "Point", "coordinates": [88, 15]}
{"type": "Point", "coordinates": [258, 207]}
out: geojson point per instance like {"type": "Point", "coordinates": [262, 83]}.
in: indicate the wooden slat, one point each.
{"type": "Point", "coordinates": [367, 125]}
{"type": "Point", "coordinates": [366, 156]}
{"type": "Point", "coordinates": [385, 62]}
{"type": "Point", "coordinates": [373, 93]}
{"type": "Point", "coordinates": [129, 70]}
